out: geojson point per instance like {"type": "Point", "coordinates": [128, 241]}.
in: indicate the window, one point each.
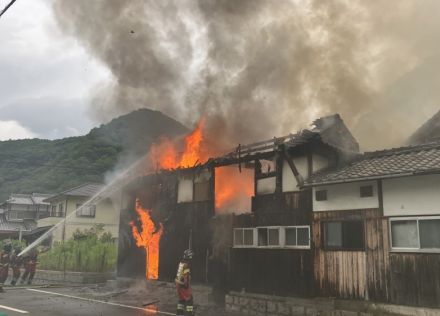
{"type": "Point", "coordinates": [85, 211]}
{"type": "Point", "coordinates": [366, 191]}
{"type": "Point", "coordinates": [415, 233]}
{"type": "Point", "coordinates": [272, 237]}
{"type": "Point", "coordinates": [60, 210]}
{"type": "Point", "coordinates": [262, 236]}
{"type": "Point", "coordinates": [53, 210]}
{"type": "Point", "coordinates": [266, 167]}
{"type": "Point", "coordinates": [243, 237]}
{"type": "Point", "coordinates": [269, 236]}
{"type": "Point", "coordinates": [321, 195]}
{"type": "Point", "coordinates": [297, 236]}
{"type": "Point", "coordinates": [343, 235]}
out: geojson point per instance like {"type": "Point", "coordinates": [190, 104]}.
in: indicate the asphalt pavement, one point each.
{"type": "Point", "coordinates": [59, 302]}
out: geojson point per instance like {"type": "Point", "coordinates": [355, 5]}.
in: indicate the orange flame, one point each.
{"type": "Point", "coordinates": [233, 190]}
{"type": "Point", "coordinates": [165, 155]}
{"type": "Point", "coordinates": [148, 238]}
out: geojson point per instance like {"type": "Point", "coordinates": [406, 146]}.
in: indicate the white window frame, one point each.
{"type": "Point", "coordinates": [406, 249]}
{"type": "Point", "coordinates": [296, 227]}
{"type": "Point", "coordinates": [282, 237]}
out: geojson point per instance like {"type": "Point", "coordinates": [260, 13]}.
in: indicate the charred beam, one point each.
{"type": "Point", "coordinates": [292, 166]}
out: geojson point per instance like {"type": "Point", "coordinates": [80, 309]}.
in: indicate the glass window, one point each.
{"type": "Point", "coordinates": [344, 235]}
{"type": "Point", "coordinates": [290, 236]}
{"type": "Point", "coordinates": [248, 237]}
{"type": "Point", "coordinates": [333, 234]}
{"type": "Point", "coordinates": [238, 237]}
{"type": "Point", "coordinates": [404, 234]}
{"type": "Point", "coordinates": [262, 236]}
{"type": "Point", "coordinates": [366, 191]}
{"type": "Point", "coordinates": [303, 236]}
{"type": "Point", "coordinates": [429, 233]}
{"type": "Point", "coordinates": [85, 211]}
{"type": "Point", "coordinates": [274, 236]}
{"type": "Point", "coordinates": [321, 195]}
{"type": "Point", "coordinates": [353, 234]}
{"type": "Point", "coordinates": [60, 210]}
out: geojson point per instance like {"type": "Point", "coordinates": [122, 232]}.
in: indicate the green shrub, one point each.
{"type": "Point", "coordinates": [85, 252]}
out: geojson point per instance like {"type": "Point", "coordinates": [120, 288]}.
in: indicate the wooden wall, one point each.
{"type": "Point", "coordinates": [272, 271]}
{"type": "Point", "coordinates": [415, 279]}
{"type": "Point", "coordinates": [353, 274]}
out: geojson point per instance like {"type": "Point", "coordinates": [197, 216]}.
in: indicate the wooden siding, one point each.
{"type": "Point", "coordinates": [415, 279]}
{"type": "Point", "coordinates": [290, 208]}
{"type": "Point", "coordinates": [353, 274]}
{"type": "Point", "coordinates": [272, 271]}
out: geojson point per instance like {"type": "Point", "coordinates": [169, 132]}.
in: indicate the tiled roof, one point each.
{"type": "Point", "coordinates": [38, 198]}
{"type": "Point", "coordinates": [15, 226]}
{"type": "Point", "coordinates": [20, 199]}
{"type": "Point", "coordinates": [85, 190]}
{"type": "Point", "coordinates": [396, 162]}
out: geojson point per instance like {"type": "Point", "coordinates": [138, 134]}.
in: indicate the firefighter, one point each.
{"type": "Point", "coordinates": [183, 284]}
{"type": "Point", "coordinates": [5, 258]}
{"type": "Point", "coordinates": [30, 266]}
{"type": "Point", "coordinates": [16, 263]}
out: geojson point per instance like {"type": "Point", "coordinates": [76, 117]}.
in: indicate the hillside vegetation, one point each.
{"type": "Point", "coordinates": [51, 166]}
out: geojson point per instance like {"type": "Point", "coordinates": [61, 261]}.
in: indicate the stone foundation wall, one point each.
{"type": "Point", "coordinates": [60, 277]}
{"type": "Point", "coordinates": [266, 305]}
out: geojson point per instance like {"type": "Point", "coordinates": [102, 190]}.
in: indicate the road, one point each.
{"type": "Point", "coordinates": [59, 302]}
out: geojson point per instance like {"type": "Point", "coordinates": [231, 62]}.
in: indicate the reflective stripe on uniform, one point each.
{"type": "Point", "coordinates": [190, 308]}
{"type": "Point", "coordinates": [180, 306]}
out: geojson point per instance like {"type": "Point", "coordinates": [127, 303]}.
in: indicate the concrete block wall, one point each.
{"type": "Point", "coordinates": [266, 305]}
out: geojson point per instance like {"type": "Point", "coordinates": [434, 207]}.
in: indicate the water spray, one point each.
{"type": "Point", "coordinates": [106, 188]}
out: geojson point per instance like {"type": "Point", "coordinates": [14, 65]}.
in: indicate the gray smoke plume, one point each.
{"type": "Point", "coordinates": [259, 68]}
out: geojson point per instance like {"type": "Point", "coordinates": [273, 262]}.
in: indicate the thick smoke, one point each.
{"type": "Point", "coordinates": [259, 68]}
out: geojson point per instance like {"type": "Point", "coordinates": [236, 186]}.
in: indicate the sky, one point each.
{"type": "Point", "coordinates": [45, 76]}
{"type": "Point", "coordinates": [69, 65]}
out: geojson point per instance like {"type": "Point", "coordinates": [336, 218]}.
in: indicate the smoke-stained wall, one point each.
{"type": "Point", "coordinates": [258, 68]}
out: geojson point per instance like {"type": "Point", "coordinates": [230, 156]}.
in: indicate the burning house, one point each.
{"type": "Point", "coordinates": [301, 215]}
{"type": "Point", "coordinates": [232, 210]}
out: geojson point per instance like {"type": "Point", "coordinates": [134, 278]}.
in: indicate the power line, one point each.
{"type": "Point", "coordinates": [7, 7]}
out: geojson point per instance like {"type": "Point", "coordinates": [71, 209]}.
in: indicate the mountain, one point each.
{"type": "Point", "coordinates": [428, 132]}
{"type": "Point", "coordinates": [50, 166]}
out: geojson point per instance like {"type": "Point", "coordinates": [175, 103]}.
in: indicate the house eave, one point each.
{"type": "Point", "coordinates": [378, 177]}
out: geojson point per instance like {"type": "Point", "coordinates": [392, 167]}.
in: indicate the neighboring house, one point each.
{"type": "Point", "coordinates": [20, 207]}
{"type": "Point", "coordinates": [63, 206]}
{"type": "Point", "coordinates": [376, 227]}
{"type": "Point", "coordinates": [24, 229]}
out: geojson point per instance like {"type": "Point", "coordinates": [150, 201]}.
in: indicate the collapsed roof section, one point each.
{"type": "Point", "coordinates": [330, 130]}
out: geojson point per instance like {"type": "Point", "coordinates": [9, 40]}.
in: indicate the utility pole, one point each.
{"type": "Point", "coordinates": [7, 7]}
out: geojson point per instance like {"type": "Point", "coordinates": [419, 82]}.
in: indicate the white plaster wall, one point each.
{"type": "Point", "coordinates": [417, 195]}
{"type": "Point", "coordinates": [185, 190]}
{"type": "Point", "coordinates": [266, 185]}
{"type": "Point", "coordinates": [319, 163]}
{"type": "Point", "coordinates": [346, 196]}
{"type": "Point", "coordinates": [289, 182]}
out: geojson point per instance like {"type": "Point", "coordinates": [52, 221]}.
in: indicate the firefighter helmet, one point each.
{"type": "Point", "coordinates": [188, 254]}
